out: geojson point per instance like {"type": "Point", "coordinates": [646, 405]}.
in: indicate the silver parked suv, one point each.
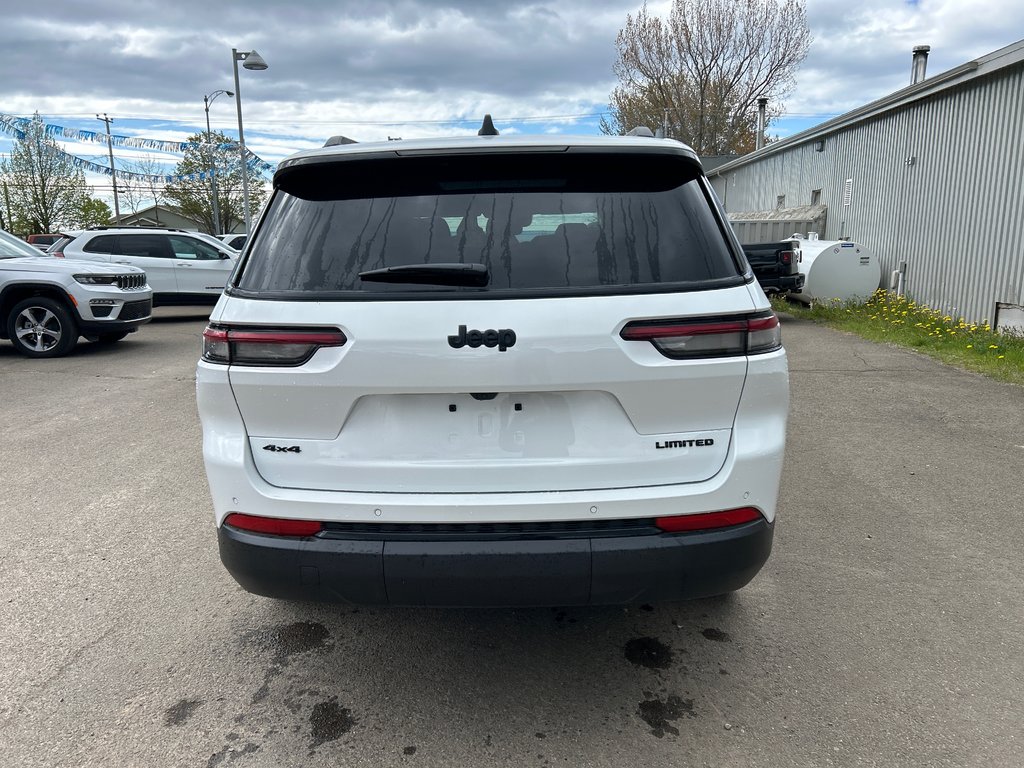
{"type": "Point", "coordinates": [45, 305]}
{"type": "Point", "coordinates": [490, 370]}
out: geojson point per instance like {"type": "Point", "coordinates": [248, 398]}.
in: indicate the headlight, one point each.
{"type": "Point", "coordinates": [97, 279]}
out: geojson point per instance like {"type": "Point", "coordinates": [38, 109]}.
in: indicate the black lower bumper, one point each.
{"type": "Point", "coordinates": [782, 283]}
{"type": "Point", "coordinates": [535, 572]}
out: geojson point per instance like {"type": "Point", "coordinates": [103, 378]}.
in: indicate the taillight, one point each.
{"type": "Point", "coordinates": [265, 346]}
{"type": "Point", "coordinates": [705, 521]}
{"type": "Point", "coordinates": [786, 257]}
{"type": "Point", "coordinates": [276, 526]}
{"type": "Point", "coordinates": [708, 337]}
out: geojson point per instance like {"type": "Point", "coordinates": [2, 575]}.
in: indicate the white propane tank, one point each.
{"type": "Point", "coordinates": [836, 269]}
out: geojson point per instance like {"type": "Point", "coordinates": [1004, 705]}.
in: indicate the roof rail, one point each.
{"type": "Point", "coordinates": [134, 226]}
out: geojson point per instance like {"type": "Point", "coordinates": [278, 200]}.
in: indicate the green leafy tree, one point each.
{"type": "Point", "coordinates": [700, 72]}
{"type": "Point", "coordinates": [43, 189]}
{"type": "Point", "coordinates": [194, 198]}
{"type": "Point", "coordinates": [94, 213]}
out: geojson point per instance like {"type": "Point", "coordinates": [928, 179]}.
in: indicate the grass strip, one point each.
{"type": "Point", "coordinates": [899, 320]}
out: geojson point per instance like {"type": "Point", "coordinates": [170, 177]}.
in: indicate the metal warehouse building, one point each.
{"type": "Point", "coordinates": [931, 178]}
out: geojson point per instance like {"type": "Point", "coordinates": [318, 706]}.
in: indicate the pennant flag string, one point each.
{"type": "Point", "coordinates": [16, 126]}
{"type": "Point", "coordinates": [12, 126]}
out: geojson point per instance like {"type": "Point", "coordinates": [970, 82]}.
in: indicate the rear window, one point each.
{"type": "Point", "coordinates": [565, 222]}
{"type": "Point", "coordinates": [101, 244]}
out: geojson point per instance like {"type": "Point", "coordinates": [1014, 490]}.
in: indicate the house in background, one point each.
{"type": "Point", "coordinates": [157, 216]}
{"type": "Point", "coordinates": [930, 178]}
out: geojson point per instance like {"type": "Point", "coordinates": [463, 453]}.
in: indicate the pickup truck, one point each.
{"type": "Point", "coordinates": [775, 265]}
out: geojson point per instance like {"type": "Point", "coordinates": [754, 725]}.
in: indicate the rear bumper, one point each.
{"type": "Point", "coordinates": [782, 283]}
{"type": "Point", "coordinates": [532, 571]}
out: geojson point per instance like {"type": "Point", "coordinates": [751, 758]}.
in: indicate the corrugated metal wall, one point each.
{"type": "Point", "coordinates": [938, 184]}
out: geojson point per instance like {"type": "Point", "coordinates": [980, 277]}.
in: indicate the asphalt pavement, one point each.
{"type": "Point", "coordinates": [885, 630]}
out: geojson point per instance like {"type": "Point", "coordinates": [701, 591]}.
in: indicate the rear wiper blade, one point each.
{"type": "Point", "coordinates": [475, 275]}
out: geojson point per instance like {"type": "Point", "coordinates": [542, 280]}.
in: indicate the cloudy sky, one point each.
{"type": "Point", "coordinates": [371, 69]}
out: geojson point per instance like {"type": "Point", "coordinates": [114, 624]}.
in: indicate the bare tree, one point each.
{"type": "Point", "coordinates": [43, 188]}
{"type": "Point", "coordinates": [145, 189]}
{"type": "Point", "coordinates": [701, 71]}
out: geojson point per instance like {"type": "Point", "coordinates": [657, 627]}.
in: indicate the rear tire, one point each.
{"type": "Point", "coordinates": [42, 327]}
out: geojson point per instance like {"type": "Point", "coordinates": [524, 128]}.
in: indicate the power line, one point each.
{"type": "Point", "coordinates": [410, 121]}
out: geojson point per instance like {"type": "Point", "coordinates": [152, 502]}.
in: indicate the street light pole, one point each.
{"type": "Point", "coordinates": [250, 60]}
{"type": "Point", "coordinates": [207, 100]}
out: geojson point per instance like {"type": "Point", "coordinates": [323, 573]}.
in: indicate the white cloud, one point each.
{"type": "Point", "coordinates": [371, 69]}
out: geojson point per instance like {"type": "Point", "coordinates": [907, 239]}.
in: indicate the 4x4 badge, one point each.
{"type": "Point", "coordinates": [283, 448]}
{"type": "Point", "coordinates": [502, 338]}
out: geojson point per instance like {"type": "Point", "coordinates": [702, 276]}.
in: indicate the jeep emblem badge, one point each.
{"type": "Point", "coordinates": [502, 338]}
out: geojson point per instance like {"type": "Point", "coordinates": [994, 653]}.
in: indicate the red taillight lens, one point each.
{"type": "Point", "coordinates": [713, 337]}
{"type": "Point", "coordinates": [275, 526]}
{"type": "Point", "coordinates": [703, 522]}
{"type": "Point", "coordinates": [786, 257]}
{"type": "Point", "coordinates": [264, 346]}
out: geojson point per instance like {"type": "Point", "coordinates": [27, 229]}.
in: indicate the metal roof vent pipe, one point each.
{"type": "Point", "coordinates": [920, 63]}
{"type": "Point", "coordinates": [762, 106]}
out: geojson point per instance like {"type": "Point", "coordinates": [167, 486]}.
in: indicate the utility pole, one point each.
{"type": "Point", "coordinates": [10, 219]}
{"type": "Point", "coordinates": [207, 98]}
{"type": "Point", "coordinates": [113, 173]}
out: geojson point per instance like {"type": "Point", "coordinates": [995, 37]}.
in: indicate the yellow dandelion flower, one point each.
{"type": "Point", "coordinates": [970, 346]}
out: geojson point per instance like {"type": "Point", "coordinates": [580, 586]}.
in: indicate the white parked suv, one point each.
{"type": "Point", "coordinates": [45, 304]}
{"type": "Point", "coordinates": [493, 370]}
{"type": "Point", "coordinates": [183, 268]}
{"type": "Point", "coordinates": [235, 240]}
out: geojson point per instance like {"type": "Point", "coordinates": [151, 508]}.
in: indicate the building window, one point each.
{"type": "Point", "coordinates": [780, 201]}
{"type": "Point", "coordinates": [815, 197]}
{"type": "Point", "coordinates": [847, 192]}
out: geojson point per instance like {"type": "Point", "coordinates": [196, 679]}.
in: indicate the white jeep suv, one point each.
{"type": "Point", "coordinates": [183, 267]}
{"type": "Point", "coordinates": [45, 305]}
{"type": "Point", "coordinates": [490, 370]}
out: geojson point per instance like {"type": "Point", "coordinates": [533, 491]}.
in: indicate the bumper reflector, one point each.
{"type": "Point", "coordinates": [275, 526]}
{"type": "Point", "coordinates": [707, 520]}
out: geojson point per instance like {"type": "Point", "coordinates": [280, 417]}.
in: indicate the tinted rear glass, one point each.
{"type": "Point", "coordinates": [537, 222]}
{"type": "Point", "coordinates": [101, 244]}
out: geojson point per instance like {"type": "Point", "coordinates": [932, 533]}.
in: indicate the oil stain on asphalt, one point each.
{"type": "Point", "coordinates": [711, 633]}
{"type": "Point", "coordinates": [660, 714]}
{"type": "Point", "coordinates": [329, 722]}
{"type": "Point", "coordinates": [181, 712]}
{"type": "Point", "coordinates": [229, 753]}
{"type": "Point", "coordinates": [648, 652]}
{"type": "Point", "coordinates": [285, 641]}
